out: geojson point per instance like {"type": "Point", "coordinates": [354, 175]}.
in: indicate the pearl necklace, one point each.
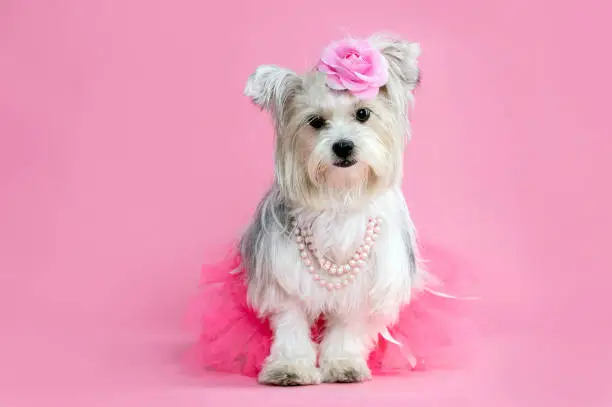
{"type": "Point", "coordinates": [330, 275]}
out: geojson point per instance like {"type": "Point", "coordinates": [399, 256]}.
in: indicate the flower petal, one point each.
{"type": "Point", "coordinates": [323, 67]}
{"type": "Point", "coordinates": [353, 85]}
{"type": "Point", "coordinates": [330, 55]}
{"type": "Point", "coordinates": [367, 94]}
{"type": "Point", "coordinates": [334, 82]}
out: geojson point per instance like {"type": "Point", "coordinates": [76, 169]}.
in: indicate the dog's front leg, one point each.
{"type": "Point", "coordinates": [293, 355]}
{"type": "Point", "coordinates": [344, 350]}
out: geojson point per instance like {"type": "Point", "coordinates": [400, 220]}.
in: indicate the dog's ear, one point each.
{"type": "Point", "coordinates": [402, 57]}
{"type": "Point", "coordinates": [271, 87]}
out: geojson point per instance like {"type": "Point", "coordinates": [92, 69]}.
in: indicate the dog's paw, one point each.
{"type": "Point", "coordinates": [351, 370]}
{"type": "Point", "coordinates": [285, 373]}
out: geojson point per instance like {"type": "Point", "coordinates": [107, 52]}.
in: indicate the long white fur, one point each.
{"type": "Point", "coordinates": [336, 204]}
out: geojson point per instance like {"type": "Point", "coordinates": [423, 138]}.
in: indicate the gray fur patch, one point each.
{"type": "Point", "coordinates": [271, 218]}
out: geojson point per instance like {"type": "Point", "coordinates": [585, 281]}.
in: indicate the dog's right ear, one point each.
{"type": "Point", "coordinates": [271, 88]}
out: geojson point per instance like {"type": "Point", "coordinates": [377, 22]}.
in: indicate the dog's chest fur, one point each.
{"type": "Point", "coordinates": [384, 282]}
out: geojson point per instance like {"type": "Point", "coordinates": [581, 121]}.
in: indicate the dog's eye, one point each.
{"type": "Point", "coordinates": [362, 114]}
{"type": "Point", "coordinates": [316, 122]}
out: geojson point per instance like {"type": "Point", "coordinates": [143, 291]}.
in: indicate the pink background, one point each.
{"type": "Point", "coordinates": [128, 154]}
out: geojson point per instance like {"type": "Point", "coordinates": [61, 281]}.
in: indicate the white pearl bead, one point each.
{"type": "Point", "coordinates": [347, 267]}
{"type": "Point", "coordinates": [355, 270]}
{"type": "Point", "coordinates": [299, 239]}
{"type": "Point", "coordinates": [317, 277]}
{"type": "Point", "coordinates": [369, 232]}
{"type": "Point", "coordinates": [356, 256]}
{"type": "Point", "coordinates": [364, 256]}
{"type": "Point", "coordinates": [352, 262]}
{"type": "Point", "coordinates": [338, 286]}
{"type": "Point", "coordinates": [310, 269]}
{"type": "Point", "coordinates": [303, 254]}
{"type": "Point", "coordinates": [368, 239]}
{"type": "Point", "coordinates": [366, 248]}
{"type": "Point", "coordinates": [377, 229]}
{"type": "Point", "coordinates": [378, 220]}
{"type": "Point", "coordinates": [301, 246]}
{"type": "Point", "coordinates": [327, 266]}
{"type": "Point", "coordinates": [361, 262]}
{"type": "Point", "coordinates": [345, 282]}
{"type": "Point", "coordinates": [330, 286]}
{"type": "Point", "coordinates": [307, 262]}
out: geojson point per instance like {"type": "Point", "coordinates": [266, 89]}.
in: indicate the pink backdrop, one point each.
{"type": "Point", "coordinates": [128, 154]}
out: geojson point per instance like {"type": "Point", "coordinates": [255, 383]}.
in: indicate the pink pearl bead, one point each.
{"type": "Point", "coordinates": [326, 266]}
{"type": "Point", "coordinates": [361, 262]}
{"type": "Point", "coordinates": [322, 283]}
{"type": "Point", "coordinates": [356, 256]}
{"type": "Point", "coordinates": [303, 254]}
{"type": "Point", "coordinates": [355, 270]}
{"type": "Point", "coordinates": [378, 220]}
{"type": "Point", "coordinates": [299, 239]}
{"type": "Point", "coordinates": [364, 256]}
{"type": "Point", "coordinates": [374, 237]}
{"type": "Point", "coordinates": [368, 239]}
{"type": "Point", "coordinates": [301, 246]}
{"type": "Point", "coordinates": [377, 229]}
{"type": "Point", "coordinates": [369, 232]}
{"type": "Point", "coordinates": [310, 269]}
{"type": "Point", "coordinates": [345, 282]}
{"type": "Point", "coordinates": [330, 286]}
{"type": "Point", "coordinates": [307, 262]}
{"type": "Point", "coordinates": [352, 262]}
{"type": "Point", "coordinates": [366, 248]}
{"type": "Point", "coordinates": [359, 249]}
{"type": "Point", "coordinates": [338, 286]}
{"type": "Point", "coordinates": [316, 277]}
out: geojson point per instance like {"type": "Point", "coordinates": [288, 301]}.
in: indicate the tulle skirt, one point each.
{"type": "Point", "coordinates": [431, 332]}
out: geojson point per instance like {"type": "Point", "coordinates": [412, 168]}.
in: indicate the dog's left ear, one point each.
{"type": "Point", "coordinates": [271, 87]}
{"type": "Point", "coordinates": [402, 57]}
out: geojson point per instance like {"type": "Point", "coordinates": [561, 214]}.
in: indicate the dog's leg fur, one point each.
{"type": "Point", "coordinates": [293, 356]}
{"type": "Point", "coordinates": [344, 350]}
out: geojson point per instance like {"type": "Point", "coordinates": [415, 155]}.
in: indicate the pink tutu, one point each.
{"type": "Point", "coordinates": [431, 331]}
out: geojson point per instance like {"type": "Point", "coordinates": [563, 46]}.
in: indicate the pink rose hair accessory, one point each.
{"type": "Point", "coordinates": [356, 66]}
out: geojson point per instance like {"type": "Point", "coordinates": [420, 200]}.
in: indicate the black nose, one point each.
{"type": "Point", "coordinates": [343, 148]}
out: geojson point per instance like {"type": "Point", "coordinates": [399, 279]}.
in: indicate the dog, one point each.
{"type": "Point", "coordinates": [333, 238]}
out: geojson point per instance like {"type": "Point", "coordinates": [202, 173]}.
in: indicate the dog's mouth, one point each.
{"type": "Point", "coordinates": [345, 163]}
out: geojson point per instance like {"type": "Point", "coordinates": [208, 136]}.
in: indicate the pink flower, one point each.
{"type": "Point", "coordinates": [356, 66]}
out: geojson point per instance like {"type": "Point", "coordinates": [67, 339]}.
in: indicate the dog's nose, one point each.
{"type": "Point", "coordinates": [343, 148]}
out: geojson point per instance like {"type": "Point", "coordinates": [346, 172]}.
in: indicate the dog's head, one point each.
{"type": "Point", "coordinates": [340, 139]}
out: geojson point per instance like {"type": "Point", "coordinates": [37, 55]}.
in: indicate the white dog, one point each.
{"type": "Point", "coordinates": [333, 236]}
